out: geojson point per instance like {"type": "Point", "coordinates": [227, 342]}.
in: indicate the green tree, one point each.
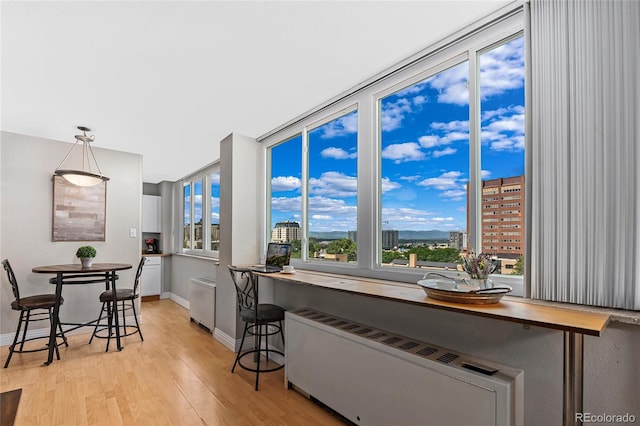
{"type": "Point", "coordinates": [343, 246]}
{"type": "Point", "coordinates": [518, 268]}
{"type": "Point", "coordinates": [314, 247]}
{"type": "Point", "coordinates": [388, 256]}
{"type": "Point", "coordinates": [296, 249]}
{"type": "Point", "coordinates": [447, 254]}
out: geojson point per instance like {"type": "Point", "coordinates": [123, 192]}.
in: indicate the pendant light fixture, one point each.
{"type": "Point", "coordinates": [84, 176]}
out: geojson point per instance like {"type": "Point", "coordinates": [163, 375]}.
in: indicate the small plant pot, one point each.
{"type": "Point", "coordinates": [86, 262]}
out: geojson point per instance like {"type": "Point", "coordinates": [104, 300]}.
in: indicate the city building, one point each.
{"type": "Point", "coordinates": [503, 216]}
{"type": "Point", "coordinates": [286, 231]}
{"type": "Point", "coordinates": [458, 240]}
{"type": "Point", "coordinates": [389, 239]}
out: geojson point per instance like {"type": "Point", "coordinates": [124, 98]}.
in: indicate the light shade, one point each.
{"type": "Point", "coordinates": [84, 176]}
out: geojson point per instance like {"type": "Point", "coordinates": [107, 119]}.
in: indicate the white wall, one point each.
{"type": "Point", "coordinates": [239, 222]}
{"type": "Point", "coordinates": [26, 200]}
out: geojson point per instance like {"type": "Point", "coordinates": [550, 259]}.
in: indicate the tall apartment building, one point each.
{"type": "Point", "coordinates": [503, 216]}
{"type": "Point", "coordinates": [389, 238]}
{"type": "Point", "coordinates": [458, 240]}
{"type": "Point", "coordinates": [285, 232]}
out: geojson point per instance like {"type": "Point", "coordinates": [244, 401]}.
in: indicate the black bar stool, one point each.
{"type": "Point", "coordinates": [127, 296]}
{"type": "Point", "coordinates": [32, 308]}
{"type": "Point", "coordinates": [260, 320]}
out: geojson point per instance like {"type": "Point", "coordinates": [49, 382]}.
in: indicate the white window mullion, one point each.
{"type": "Point", "coordinates": [475, 168]}
{"type": "Point", "coordinates": [304, 255]}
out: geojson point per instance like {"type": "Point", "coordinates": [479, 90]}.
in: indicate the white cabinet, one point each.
{"type": "Point", "coordinates": [151, 214]}
{"type": "Point", "coordinates": [151, 278]}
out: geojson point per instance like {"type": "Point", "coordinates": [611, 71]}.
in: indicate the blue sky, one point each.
{"type": "Point", "coordinates": [424, 148]}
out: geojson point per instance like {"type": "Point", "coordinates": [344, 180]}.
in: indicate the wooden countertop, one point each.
{"type": "Point", "coordinates": [558, 318]}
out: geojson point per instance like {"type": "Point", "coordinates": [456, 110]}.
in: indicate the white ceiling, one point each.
{"type": "Point", "coordinates": [169, 79]}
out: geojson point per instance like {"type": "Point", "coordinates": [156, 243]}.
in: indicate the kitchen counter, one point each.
{"type": "Point", "coordinates": [145, 254]}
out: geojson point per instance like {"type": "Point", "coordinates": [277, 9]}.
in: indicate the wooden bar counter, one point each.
{"type": "Point", "coordinates": [572, 322]}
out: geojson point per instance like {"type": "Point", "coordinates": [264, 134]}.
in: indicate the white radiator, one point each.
{"type": "Point", "coordinates": [202, 302]}
{"type": "Point", "coordinates": [373, 377]}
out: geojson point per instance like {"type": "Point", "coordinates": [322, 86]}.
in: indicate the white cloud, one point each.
{"type": "Point", "coordinates": [451, 85]}
{"type": "Point", "coordinates": [512, 123]}
{"type": "Point", "coordinates": [503, 128]}
{"type": "Point", "coordinates": [502, 69]}
{"type": "Point", "coordinates": [343, 216]}
{"type": "Point", "coordinates": [393, 113]}
{"type": "Point", "coordinates": [410, 178]}
{"type": "Point", "coordinates": [484, 174]}
{"type": "Point", "coordinates": [407, 218]}
{"type": "Point", "coordinates": [443, 152]}
{"type": "Point", "coordinates": [215, 179]}
{"type": "Point", "coordinates": [285, 183]}
{"type": "Point", "coordinates": [487, 115]}
{"type": "Point", "coordinates": [447, 180]}
{"type": "Point", "coordinates": [429, 141]}
{"type": "Point", "coordinates": [419, 100]}
{"type": "Point", "coordinates": [334, 184]}
{"type": "Point", "coordinates": [456, 130]}
{"type": "Point", "coordinates": [286, 204]}
{"type": "Point", "coordinates": [515, 143]}
{"type": "Point", "coordinates": [342, 126]}
{"type": "Point", "coordinates": [442, 219]}
{"type": "Point", "coordinates": [454, 194]}
{"type": "Point", "coordinates": [337, 153]}
{"type": "Point", "coordinates": [388, 185]}
{"type": "Point", "coordinates": [402, 152]}
{"type": "Point", "coordinates": [452, 126]}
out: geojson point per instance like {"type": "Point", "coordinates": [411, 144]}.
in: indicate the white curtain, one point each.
{"type": "Point", "coordinates": [585, 153]}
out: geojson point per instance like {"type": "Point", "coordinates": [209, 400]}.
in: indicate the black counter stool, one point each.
{"type": "Point", "coordinates": [32, 308]}
{"type": "Point", "coordinates": [128, 297]}
{"type": "Point", "coordinates": [260, 320]}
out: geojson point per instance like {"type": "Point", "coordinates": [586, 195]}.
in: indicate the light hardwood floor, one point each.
{"type": "Point", "coordinates": [179, 375]}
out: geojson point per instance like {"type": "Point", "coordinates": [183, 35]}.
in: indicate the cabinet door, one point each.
{"type": "Point", "coordinates": [151, 214]}
{"type": "Point", "coordinates": [151, 278]}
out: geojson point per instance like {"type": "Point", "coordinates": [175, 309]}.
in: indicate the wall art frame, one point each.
{"type": "Point", "coordinates": [79, 212]}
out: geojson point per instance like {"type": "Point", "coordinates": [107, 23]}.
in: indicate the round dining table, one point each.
{"type": "Point", "coordinates": [75, 274]}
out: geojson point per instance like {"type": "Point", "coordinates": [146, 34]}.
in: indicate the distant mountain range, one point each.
{"type": "Point", "coordinates": [402, 235]}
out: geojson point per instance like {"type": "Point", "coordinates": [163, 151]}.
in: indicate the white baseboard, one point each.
{"type": "Point", "coordinates": [225, 339]}
{"type": "Point", "coordinates": [179, 300]}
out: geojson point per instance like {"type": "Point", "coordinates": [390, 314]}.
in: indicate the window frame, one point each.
{"type": "Point", "coordinates": [467, 44]}
{"type": "Point", "coordinates": [205, 176]}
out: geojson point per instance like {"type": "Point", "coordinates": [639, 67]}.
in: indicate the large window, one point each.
{"type": "Point", "coordinates": [333, 190]}
{"type": "Point", "coordinates": [201, 206]}
{"type": "Point", "coordinates": [429, 216]}
{"type": "Point", "coordinates": [502, 154]}
{"type": "Point", "coordinates": [286, 194]}
{"type": "Point", "coordinates": [424, 137]}
{"type": "Point", "coordinates": [214, 200]}
{"type": "Point", "coordinates": [415, 168]}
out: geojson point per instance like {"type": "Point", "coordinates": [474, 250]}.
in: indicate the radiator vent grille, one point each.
{"type": "Point", "coordinates": [448, 357]}
{"type": "Point", "coordinates": [427, 351]}
{"type": "Point", "coordinates": [399, 342]}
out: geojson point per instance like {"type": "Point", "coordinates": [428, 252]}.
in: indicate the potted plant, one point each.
{"type": "Point", "coordinates": [479, 267]}
{"type": "Point", "coordinates": [86, 255]}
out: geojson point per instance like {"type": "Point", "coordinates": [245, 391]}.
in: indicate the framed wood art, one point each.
{"type": "Point", "coordinates": [79, 212]}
